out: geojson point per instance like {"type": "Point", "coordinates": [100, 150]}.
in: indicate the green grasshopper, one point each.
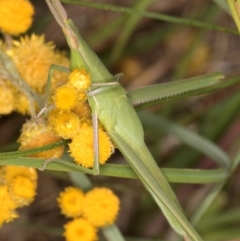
{"type": "Point", "coordinates": [110, 105]}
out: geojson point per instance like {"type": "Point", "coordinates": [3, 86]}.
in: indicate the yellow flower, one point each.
{"type": "Point", "coordinates": [65, 124]}
{"type": "Point", "coordinates": [16, 16]}
{"type": "Point", "coordinates": [80, 229]}
{"type": "Point", "coordinates": [36, 134]}
{"type": "Point", "coordinates": [7, 206]}
{"type": "Point", "coordinates": [80, 79]}
{"type": "Point", "coordinates": [81, 147]}
{"type": "Point", "coordinates": [100, 207]}
{"type": "Point", "coordinates": [6, 98]}
{"type": "Point", "coordinates": [22, 190]}
{"type": "Point", "coordinates": [11, 172]}
{"type": "Point", "coordinates": [65, 97]}
{"type": "Point", "coordinates": [33, 58]}
{"type": "Point", "coordinates": [70, 202]}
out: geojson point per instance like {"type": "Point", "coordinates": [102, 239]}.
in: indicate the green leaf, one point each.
{"type": "Point", "coordinates": [171, 90]}
{"type": "Point", "coordinates": [155, 94]}
{"type": "Point", "coordinates": [157, 123]}
{"type": "Point", "coordinates": [122, 171]}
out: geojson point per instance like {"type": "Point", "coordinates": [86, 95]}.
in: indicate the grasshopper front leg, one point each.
{"type": "Point", "coordinates": [47, 108]}
{"type": "Point", "coordinates": [52, 68]}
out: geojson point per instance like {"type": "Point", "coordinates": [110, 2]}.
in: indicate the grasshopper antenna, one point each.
{"type": "Point", "coordinates": [58, 11]}
{"type": "Point", "coordinates": [61, 17]}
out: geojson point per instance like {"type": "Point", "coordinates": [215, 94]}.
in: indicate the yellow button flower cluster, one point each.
{"type": "Point", "coordinates": [17, 189]}
{"type": "Point", "coordinates": [95, 209]}
{"type": "Point", "coordinates": [71, 119]}
{"type": "Point", "coordinates": [80, 229]}
{"type": "Point", "coordinates": [31, 55]}
{"type": "Point", "coordinates": [33, 58]}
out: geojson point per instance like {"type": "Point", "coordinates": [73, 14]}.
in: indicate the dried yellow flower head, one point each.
{"type": "Point", "coordinates": [80, 229]}
{"type": "Point", "coordinates": [33, 58]}
{"type": "Point", "coordinates": [100, 207]}
{"type": "Point", "coordinates": [16, 16]}
{"type": "Point", "coordinates": [82, 150]}
{"type": "Point", "coordinates": [70, 202]}
{"type": "Point", "coordinates": [37, 134]}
